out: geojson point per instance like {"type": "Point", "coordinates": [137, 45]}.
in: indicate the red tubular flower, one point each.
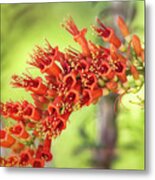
{"type": "Point", "coordinates": [12, 109]}
{"type": "Point", "coordinates": [105, 70]}
{"type": "Point", "coordinates": [70, 80]}
{"type": "Point", "coordinates": [120, 69]}
{"type": "Point", "coordinates": [78, 85]}
{"type": "Point", "coordinates": [86, 97]}
{"type": "Point", "coordinates": [52, 69]}
{"type": "Point", "coordinates": [59, 123]}
{"type": "Point", "coordinates": [38, 151]}
{"type": "Point", "coordinates": [136, 45]}
{"type": "Point", "coordinates": [134, 72]}
{"type": "Point", "coordinates": [47, 143]}
{"type": "Point", "coordinates": [90, 96]}
{"type": "Point", "coordinates": [53, 110]}
{"type": "Point", "coordinates": [38, 87]}
{"type": "Point", "coordinates": [43, 152]}
{"type": "Point", "coordinates": [72, 97]}
{"type": "Point", "coordinates": [46, 155]}
{"type": "Point", "coordinates": [34, 85]}
{"type": "Point", "coordinates": [79, 36]}
{"type": "Point", "coordinates": [45, 60]}
{"type": "Point", "coordinates": [32, 113]}
{"type": "Point", "coordinates": [37, 163]}
{"type": "Point", "coordinates": [25, 158]}
{"type": "Point", "coordinates": [82, 65]}
{"type": "Point", "coordinates": [123, 27]}
{"type": "Point", "coordinates": [107, 34]}
{"type": "Point", "coordinates": [48, 125]}
{"type": "Point", "coordinates": [53, 125]}
{"type": "Point", "coordinates": [19, 131]}
{"type": "Point", "coordinates": [90, 81]}
{"type": "Point", "coordinates": [6, 140]}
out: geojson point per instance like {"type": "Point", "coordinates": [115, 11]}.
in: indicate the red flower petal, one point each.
{"type": "Point", "coordinates": [123, 27]}
{"type": "Point", "coordinates": [40, 88]}
{"type": "Point", "coordinates": [79, 36]}
{"type": "Point", "coordinates": [19, 131]}
{"type": "Point", "coordinates": [120, 69]}
{"type": "Point", "coordinates": [30, 112]}
{"type": "Point", "coordinates": [72, 96]}
{"type": "Point", "coordinates": [90, 96]}
{"type": "Point", "coordinates": [25, 158]}
{"type": "Point", "coordinates": [6, 140]}
{"type": "Point", "coordinates": [53, 110]}
{"type": "Point", "coordinates": [70, 80]}
{"type": "Point", "coordinates": [107, 34]}
{"type": "Point", "coordinates": [37, 163]}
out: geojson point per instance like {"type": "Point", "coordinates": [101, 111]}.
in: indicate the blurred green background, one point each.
{"type": "Point", "coordinates": [25, 25]}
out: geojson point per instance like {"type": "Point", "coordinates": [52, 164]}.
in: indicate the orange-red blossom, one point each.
{"type": "Point", "coordinates": [72, 79]}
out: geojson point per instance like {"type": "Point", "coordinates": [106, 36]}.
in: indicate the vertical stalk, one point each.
{"type": "Point", "coordinates": [106, 132]}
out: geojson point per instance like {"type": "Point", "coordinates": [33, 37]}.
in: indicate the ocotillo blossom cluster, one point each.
{"type": "Point", "coordinates": [69, 80]}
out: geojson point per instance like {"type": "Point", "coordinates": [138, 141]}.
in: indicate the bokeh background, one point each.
{"type": "Point", "coordinates": [81, 145]}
